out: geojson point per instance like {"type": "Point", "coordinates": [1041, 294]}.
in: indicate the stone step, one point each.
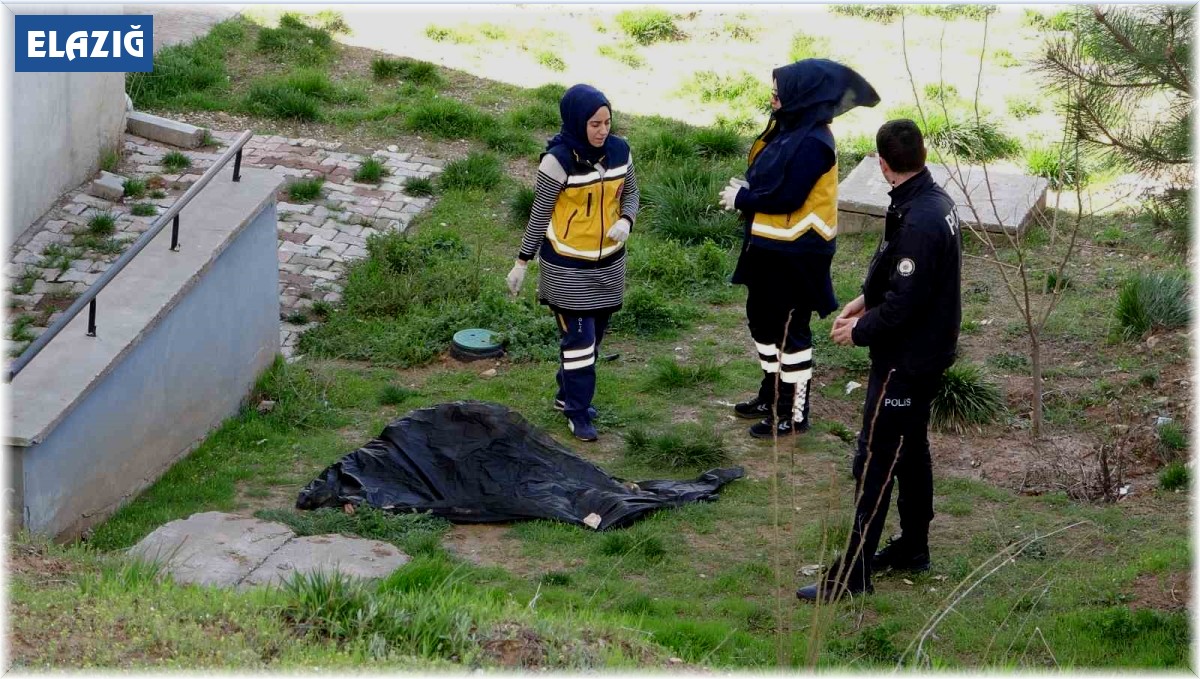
{"type": "Point", "coordinates": [226, 550]}
{"type": "Point", "coordinates": [1008, 205]}
{"type": "Point", "coordinates": [109, 186]}
{"type": "Point", "coordinates": [164, 130]}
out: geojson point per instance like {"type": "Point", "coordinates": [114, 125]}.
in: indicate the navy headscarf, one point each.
{"type": "Point", "coordinates": [812, 92]}
{"type": "Point", "coordinates": [578, 105]}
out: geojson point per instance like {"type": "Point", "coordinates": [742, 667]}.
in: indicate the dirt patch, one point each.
{"type": "Point", "coordinates": [513, 645]}
{"type": "Point", "coordinates": [1161, 592]}
{"type": "Point", "coordinates": [489, 545]}
{"type": "Point", "coordinates": [32, 564]}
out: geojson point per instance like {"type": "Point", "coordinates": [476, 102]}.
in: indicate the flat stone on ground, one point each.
{"type": "Point", "coordinates": [212, 548]}
{"type": "Point", "coordinates": [109, 186]}
{"type": "Point", "coordinates": [356, 557]}
{"type": "Point", "coordinates": [226, 550]}
{"type": "Point", "coordinates": [164, 130]}
{"type": "Point", "coordinates": [1008, 206]}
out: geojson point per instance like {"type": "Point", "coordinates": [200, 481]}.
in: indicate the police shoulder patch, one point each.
{"type": "Point", "coordinates": [905, 267]}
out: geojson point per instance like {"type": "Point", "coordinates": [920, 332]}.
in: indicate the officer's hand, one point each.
{"type": "Point", "coordinates": [843, 333]}
{"type": "Point", "coordinates": [620, 231]}
{"type": "Point", "coordinates": [853, 309]}
{"type": "Point", "coordinates": [516, 277]}
{"type": "Point", "coordinates": [729, 196]}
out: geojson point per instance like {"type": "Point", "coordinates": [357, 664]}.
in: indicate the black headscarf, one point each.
{"type": "Point", "coordinates": [812, 92]}
{"type": "Point", "coordinates": [578, 105]}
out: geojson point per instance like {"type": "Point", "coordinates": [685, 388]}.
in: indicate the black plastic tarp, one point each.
{"type": "Point", "coordinates": [474, 462]}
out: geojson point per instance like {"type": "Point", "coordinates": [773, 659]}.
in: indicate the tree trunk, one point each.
{"type": "Point", "coordinates": [1035, 356]}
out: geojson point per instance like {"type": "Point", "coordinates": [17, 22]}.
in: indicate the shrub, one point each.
{"type": "Point", "coordinates": [476, 171]}
{"type": "Point", "coordinates": [446, 118]}
{"type": "Point", "coordinates": [1174, 477]}
{"type": "Point", "coordinates": [686, 446]}
{"type": "Point", "coordinates": [418, 186]}
{"type": "Point", "coordinates": [305, 190]}
{"type": "Point", "coordinates": [965, 398]}
{"type": "Point", "coordinates": [521, 206]}
{"type": "Point", "coordinates": [371, 171]}
{"type": "Point", "coordinates": [805, 46]}
{"type": "Point", "coordinates": [648, 25]}
{"type": "Point", "coordinates": [1152, 301]}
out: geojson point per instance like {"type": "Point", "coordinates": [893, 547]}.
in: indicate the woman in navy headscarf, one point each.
{"type": "Point", "coordinates": [789, 201]}
{"type": "Point", "coordinates": [585, 204]}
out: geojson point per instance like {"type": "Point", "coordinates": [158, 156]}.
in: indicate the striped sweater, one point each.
{"type": "Point", "coordinates": [582, 284]}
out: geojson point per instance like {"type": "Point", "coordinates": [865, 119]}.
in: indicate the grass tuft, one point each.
{"type": "Point", "coordinates": [305, 190]}
{"type": "Point", "coordinates": [371, 171]}
{"type": "Point", "coordinates": [476, 171]}
{"type": "Point", "coordinates": [1152, 301]}
{"type": "Point", "coordinates": [687, 446]}
{"type": "Point", "coordinates": [965, 398]}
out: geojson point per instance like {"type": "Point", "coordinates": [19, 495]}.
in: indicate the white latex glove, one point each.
{"type": "Point", "coordinates": [620, 231]}
{"type": "Point", "coordinates": [516, 277]}
{"type": "Point", "coordinates": [739, 182]}
{"type": "Point", "coordinates": [729, 196]}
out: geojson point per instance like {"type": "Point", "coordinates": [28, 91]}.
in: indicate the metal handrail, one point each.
{"type": "Point", "coordinates": [88, 297]}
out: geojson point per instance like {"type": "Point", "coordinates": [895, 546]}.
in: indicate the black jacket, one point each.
{"type": "Point", "coordinates": [913, 290]}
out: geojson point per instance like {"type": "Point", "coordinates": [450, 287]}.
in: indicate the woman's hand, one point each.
{"type": "Point", "coordinates": [620, 231]}
{"type": "Point", "coordinates": [516, 277]}
{"type": "Point", "coordinates": [729, 195]}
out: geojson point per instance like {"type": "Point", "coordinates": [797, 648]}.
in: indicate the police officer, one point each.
{"type": "Point", "coordinates": [908, 315]}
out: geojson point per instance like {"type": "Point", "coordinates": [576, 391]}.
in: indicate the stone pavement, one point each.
{"type": "Point", "coordinates": [175, 24]}
{"type": "Point", "coordinates": [56, 262]}
{"type": "Point", "coordinates": [226, 550]}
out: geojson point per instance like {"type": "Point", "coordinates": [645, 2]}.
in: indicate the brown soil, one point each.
{"type": "Point", "coordinates": [489, 545]}
{"type": "Point", "coordinates": [1162, 592]}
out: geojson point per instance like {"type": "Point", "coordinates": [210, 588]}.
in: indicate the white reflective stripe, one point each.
{"type": "Point", "coordinates": [810, 221]}
{"type": "Point", "coordinates": [798, 357]}
{"type": "Point", "coordinates": [766, 349]}
{"type": "Point", "coordinates": [575, 365]}
{"type": "Point", "coordinates": [797, 377]}
{"type": "Point", "coordinates": [564, 249]}
{"type": "Point", "coordinates": [769, 366]}
{"type": "Point", "coordinates": [610, 173]}
{"type": "Point", "coordinates": [578, 353]}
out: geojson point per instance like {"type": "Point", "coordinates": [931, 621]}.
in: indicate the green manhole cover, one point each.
{"type": "Point", "coordinates": [475, 343]}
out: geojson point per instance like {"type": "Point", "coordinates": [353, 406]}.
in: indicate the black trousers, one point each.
{"type": "Point", "coordinates": [893, 445]}
{"type": "Point", "coordinates": [787, 358]}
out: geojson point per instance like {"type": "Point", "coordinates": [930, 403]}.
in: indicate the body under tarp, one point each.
{"type": "Point", "coordinates": [475, 462]}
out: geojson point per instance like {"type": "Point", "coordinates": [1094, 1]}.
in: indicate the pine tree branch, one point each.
{"type": "Point", "coordinates": [1102, 18]}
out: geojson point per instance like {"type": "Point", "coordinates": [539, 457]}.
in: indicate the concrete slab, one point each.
{"type": "Point", "coordinates": [212, 548]}
{"type": "Point", "coordinates": [109, 187]}
{"type": "Point", "coordinates": [164, 130]}
{"type": "Point", "coordinates": [355, 557]}
{"type": "Point", "coordinates": [1009, 205]}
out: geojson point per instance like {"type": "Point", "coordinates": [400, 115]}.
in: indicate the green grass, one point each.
{"type": "Point", "coordinates": [176, 162]}
{"type": "Point", "coordinates": [679, 200]}
{"type": "Point", "coordinates": [296, 43]}
{"type": "Point", "coordinates": [187, 73]}
{"type": "Point", "coordinates": [965, 399]}
{"type": "Point", "coordinates": [110, 158]}
{"type": "Point", "coordinates": [1023, 107]}
{"type": "Point", "coordinates": [157, 194]}
{"type": "Point", "coordinates": [649, 25]}
{"type": "Point", "coordinates": [477, 171]}
{"type": "Point", "coordinates": [446, 119]}
{"type": "Point", "coordinates": [418, 186]}
{"type": "Point", "coordinates": [520, 206]}
{"type": "Point", "coordinates": [1059, 165]}
{"type": "Point", "coordinates": [511, 142]}
{"type": "Point", "coordinates": [623, 53]}
{"type": "Point", "coordinates": [102, 224]}
{"type": "Point", "coordinates": [367, 522]}
{"type": "Point", "coordinates": [143, 210]}
{"type": "Point", "coordinates": [1172, 439]}
{"type": "Point", "coordinates": [884, 14]}
{"type": "Point", "coordinates": [955, 12]}
{"type": "Point", "coordinates": [668, 374]}
{"type": "Point", "coordinates": [273, 99]}
{"type": "Point", "coordinates": [394, 395]}
{"type": "Point", "coordinates": [1173, 477]}
{"type": "Point", "coordinates": [742, 88]}
{"type": "Point", "coordinates": [24, 284]}
{"type": "Point", "coordinates": [805, 46]}
{"type": "Point", "coordinates": [407, 70]}
{"type": "Point", "coordinates": [371, 171]}
{"type": "Point", "coordinates": [960, 133]}
{"type": "Point", "coordinates": [687, 446]}
{"type": "Point", "coordinates": [135, 188]}
{"type": "Point", "coordinates": [305, 190]}
{"type": "Point", "coordinates": [19, 331]}
{"type": "Point", "coordinates": [550, 59]}
{"type": "Point", "coordinates": [538, 115]}
{"type": "Point", "coordinates": [1152, 301]}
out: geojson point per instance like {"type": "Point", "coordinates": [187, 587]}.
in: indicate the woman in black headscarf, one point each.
{"type": "Point", "coordinates": [789, 201]}
{"type": "Point", "coordinates": [585, 204]}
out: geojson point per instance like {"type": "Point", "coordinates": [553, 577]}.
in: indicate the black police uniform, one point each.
{"type": "Point", "coordinates": [913, 312]}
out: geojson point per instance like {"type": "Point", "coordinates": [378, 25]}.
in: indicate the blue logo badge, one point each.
{"type": "Point", "coordinates": [89, 43]}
